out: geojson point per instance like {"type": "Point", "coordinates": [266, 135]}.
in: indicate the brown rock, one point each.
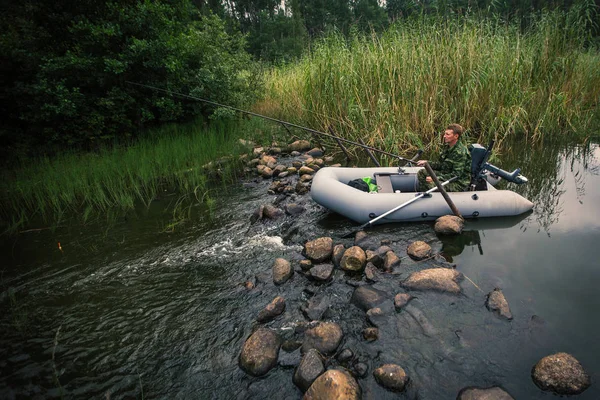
{"type": "Point", "coordinates": [371, 272]}
{"type": "Point", "coordinates": [338, 252]}
{"type": "Point", "coordinates": [334, 384]}
{"type": "Point", "coordinates": [375, 316]}
{"type": "Point", "coordinates": [560, 373]}
{"type": "Point", "coordinates": [391, 377]}
{"type": "Point", "coordinates": [325, 337]}
{"type": "Point", "coordinates": [492, 393]}
{"type": "Point", "coordinates": [301, 188]}
{"type": "Point", "coordinates": [354, 259]}
{"type": "Point", "coordinates": [272, 212]}
{"type": "Point", "coordinates": [282, 271]}
{"type": "Point", "coordinates": [419, 250]}
{"type": "Point", "coordinates": [309, 370]}
{"type": "Point", "coordinates": [260, 352]}
{"type": "Point", "coordinates": [306, 171]}
{"type": "Point", "coordinates": [402, 299]}
{"type": "Point", "coordinates": [306, 265]}
{"type": "Point", "coordinates": [440, 279]}
{"type": "Point", "coordinates": [299, 145]}
{"type": "Point", "coordinates": [322, 272]}
{"type": "Point", "coordinates": [390, 260]}
{"type": "Point", "coordinates": [449, 225]}
{"type": "Point", "coordinates": [366, 297]}
{"type": "Point", "coordinates": [497, 302]}
{"type": "Point", "coordinates": [273, 309]}
{"type": "Point", "coordinates": [319, 250]}
{"type": "Point", "coordinates": [306, 178]}
{"type": "Point", "coordinates": [370, 334]}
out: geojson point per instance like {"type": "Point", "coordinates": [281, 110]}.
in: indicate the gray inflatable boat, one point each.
{"type": "Point", "coordinates": [331, 189]}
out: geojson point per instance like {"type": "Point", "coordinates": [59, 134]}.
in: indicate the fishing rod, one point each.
{"type": "Point", "coordinates": [337, 138]}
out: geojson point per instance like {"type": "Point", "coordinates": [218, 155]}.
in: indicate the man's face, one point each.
{"type": "Point", "coordinates": [450, 138]}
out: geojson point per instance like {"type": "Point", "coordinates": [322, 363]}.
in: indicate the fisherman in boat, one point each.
{"type": "Point", "coordinates": [454, 160]}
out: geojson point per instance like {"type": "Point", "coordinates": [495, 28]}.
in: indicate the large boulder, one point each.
{"type": "Point", "coordinates": [560, 373]}
{"type": "Point", "coordinates": [497, 303]}
{"type": "Point", "coordinates": [309, 370]}
{"type": "Point", "coordinates": [367, 297]}
{"type": "Point", "coordinates": [282, 271]}
{"type": "Point", "coordinates": [334, 384]}
{"type": "Point", "coordinates": [492, 393]}
{"type": "Point", "coordinates": [319, 250]}
{"type": "Point", "coordinates": [354, 259]}
{"type": "Point", "coordinates": [449, 225]}
{"type": "Point", "coordinates": [260, 351]}
{"type": "Point", "coordinates": [391, 377]}
{"type": "Point", "coordinates": [419, 250]}
{"type": "Point", "coordinates": [273, 309]}
{"type": "Point", "coordinates": [325, 337]}
{"type": "Point", "coordinates": [440, 279]}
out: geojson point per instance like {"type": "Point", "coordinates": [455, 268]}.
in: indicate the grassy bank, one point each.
{"type": "Point", "coordinates": [169, 159]}
{"type": "Point", "coordinates": [396, 90]}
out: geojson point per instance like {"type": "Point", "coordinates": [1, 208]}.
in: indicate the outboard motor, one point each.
{"type": "Point", "coordinates": [479, 167]}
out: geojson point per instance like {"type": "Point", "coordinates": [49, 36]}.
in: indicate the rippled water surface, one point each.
{"type": "Point", "coordinates": [128, 311]}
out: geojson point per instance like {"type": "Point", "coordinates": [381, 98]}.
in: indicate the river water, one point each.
{"type": "Point", "coordinates": [129, 310]}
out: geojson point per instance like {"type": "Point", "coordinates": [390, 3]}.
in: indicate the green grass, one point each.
{"type": "Point", "coordinates": [173, 158]}
{"type": "Point", "coordinates": [396, 90]}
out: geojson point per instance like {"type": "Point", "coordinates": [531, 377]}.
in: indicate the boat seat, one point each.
{"type": "Point", "coordinates": [384, 183]}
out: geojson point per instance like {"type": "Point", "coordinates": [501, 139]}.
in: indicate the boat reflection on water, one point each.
{"type": "Point", "coordinates": [453, 246]}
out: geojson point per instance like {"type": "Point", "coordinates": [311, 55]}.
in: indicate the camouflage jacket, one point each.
{"type": "Point", "coordinates": [454, 161]}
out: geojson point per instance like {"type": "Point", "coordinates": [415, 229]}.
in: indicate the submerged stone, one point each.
{"type": "Point", "coordinates": [391, 376]}
{"type": "Point", "coordinates": [497, 303]}
{"type": "Point", "coordinates": [260, 352]}
{"type": "Point", "coordinates": [419, 250]}
{"type": "Point", "coordinates": [309, 370]}
{"type": "Point", "coordinates": [334, 384]}
{"type": "Point", "coordinates": [367, 297]}
{"type": "Point", "coordinates": [439, 279]}
{"type": "Point", "coordinates": [492, 393]}
{"type": "Point", "coordinates": [325, 337]}
{"type": "Point", "coordinates": [282, 271]}
{"type": "Point", "coordinates": [560, 373]}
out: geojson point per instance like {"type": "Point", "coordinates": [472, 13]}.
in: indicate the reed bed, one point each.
{"type": "Point", "coordinates": [395, 91]}
{"type": "Point", "coordinates": [170, 159]}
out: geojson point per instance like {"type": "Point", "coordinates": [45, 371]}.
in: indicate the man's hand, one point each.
{"type": "Point", "coordinates": [420, 163]}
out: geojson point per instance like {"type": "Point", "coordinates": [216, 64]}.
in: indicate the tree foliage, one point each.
{"type": "Point", "coordinates": [66, 66]}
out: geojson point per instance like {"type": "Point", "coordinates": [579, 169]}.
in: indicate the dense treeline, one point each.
{"type": "Point", "coordinates": [65, 65]}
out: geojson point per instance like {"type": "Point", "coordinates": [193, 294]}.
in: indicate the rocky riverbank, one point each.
{"type": "Point", "coordinates": [382, 279]}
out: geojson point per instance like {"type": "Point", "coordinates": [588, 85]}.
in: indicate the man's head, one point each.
{"type": "Point", "coordinates": [452, 134]}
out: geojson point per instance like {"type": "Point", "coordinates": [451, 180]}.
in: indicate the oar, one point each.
{"type": "Point", "coordinates": [417, 197]}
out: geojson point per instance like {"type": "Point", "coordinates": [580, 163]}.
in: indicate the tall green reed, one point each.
{"type": "Point", "coordinates": [396, 90]}
{"type": "Point", "coordinates": [174, 158]}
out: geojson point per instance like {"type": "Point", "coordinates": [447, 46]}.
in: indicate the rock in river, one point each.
{"type": "Point", "coordinates": [325, 337]}
{"type": "Point", "coordinates": [322, 272]}
{"type": "Point", "coordinates": [492, 393]}
{"type": "Point", "coordinates": [560, 373]}
{"type": "Point", "coordinates": [497, 303]}
{"type": "Point", "coordinates": [259, 353]}
{"type": "Point", "coordinates": [334, 384]}
{"type": "Point", "coordinates": [319, 250]}
{"type": "Point", "coordinates": [419, 250]}
{"type": "Point", "coordinates": [273, 309]}
{"type": "Point", "coordinates": [282, 271]}
{"type": "Point", "coordinates": [391, 377]}
{"type": "Point", "coordinates": [440, 279]}
{"type": "Point", "coordinates": [449, 225]}
{"type": "Point", "coordinates": [366, 297]}
{"type": "Point", "coordinates": [354, 259]}
{"type": "Point", "coordinates": [309, 370]}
